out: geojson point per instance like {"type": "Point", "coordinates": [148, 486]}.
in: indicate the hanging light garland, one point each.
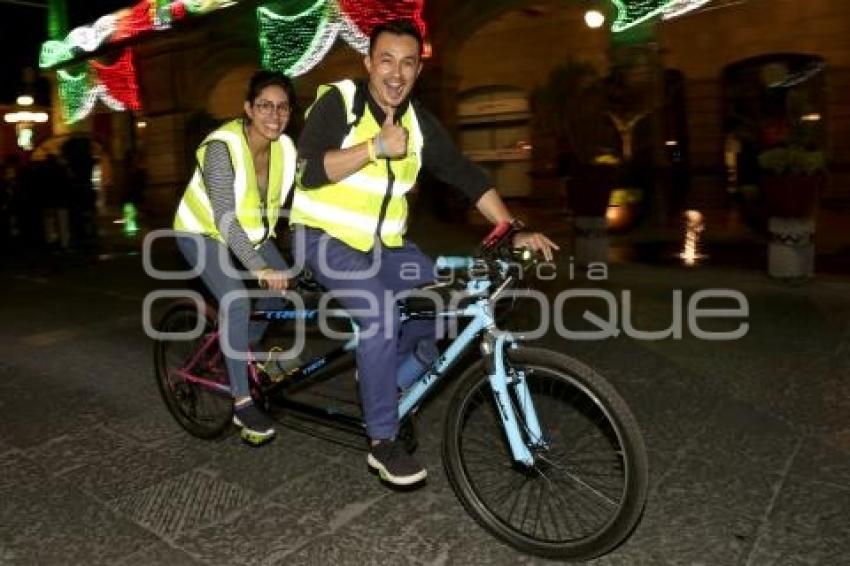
{"type": "Point", "coordinates": [681, 7]}
{"type": "Point", "coordinates": [143, 17]}
{"type": "Point", "coordinates": [631, 13]}
{"type": "Point", "coordinates": [291, 43]}
{"type": "Point", "coordinates": [115, 85]}
{"type": "Point", "coordinates": [295, 44]}
{"type": "Point", "coordinates": [359, 17]}
{"type": "Point", "coordinates": [119, 80]}
{"type": "Point", "coordinates": [354, 20]}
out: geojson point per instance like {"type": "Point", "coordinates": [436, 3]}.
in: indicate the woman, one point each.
{"type": "Point", "coordinates": [244, 173]}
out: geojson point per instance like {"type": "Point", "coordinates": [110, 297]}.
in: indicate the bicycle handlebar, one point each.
{"type": "Point", "coordinates": [454, 262]}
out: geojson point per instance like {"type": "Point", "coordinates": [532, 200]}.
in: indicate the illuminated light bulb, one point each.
{"type": "Point", "coordinates": [594, 19]}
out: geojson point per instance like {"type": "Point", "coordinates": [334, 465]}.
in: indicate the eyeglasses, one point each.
{"type": "Point", "coordinates": [266, 107]}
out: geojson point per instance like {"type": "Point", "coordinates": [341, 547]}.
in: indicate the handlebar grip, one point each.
{"type": "Point", "coordinates": [454, 262]}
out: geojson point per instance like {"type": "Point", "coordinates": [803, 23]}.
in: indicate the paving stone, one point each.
{"type": "Point", "coordinates": [268, 531]}
{"type": "Point", "coordinates": [704, 513]}
{"type": "Point", "coordinates": [668, 428]}
{"type": "Point", "coordinates": [122, 472]}
{"type": "Point", "coordinates": [64, 453]}
{"type": "Point", "coordinates": [419, 527]}
{"type": "Point", "coordinates": [687, 536]}
{"type": "Point", "coordinates": [157, 554]}
{"type": "Point", "coordinates": [182, 503]}
{"type": "Point", "coordinates": [710, 484]}
{"type": "Point", "coordinates": [820, 463]}
{"type": "Point", "coordinates": [58, 413]}
{"type": "Point", "coordinates": [721, 421]}
{"type": "Point", "coordinates": [267, 468]}
{"type": "Point", "coordinates": [54, 523]}
{"type": "Point", "coordinates": [155, 425]}
{"type": "Point", "coordinates": [810, 524]}
{"type": "Point", "coordinates": [750, 438]}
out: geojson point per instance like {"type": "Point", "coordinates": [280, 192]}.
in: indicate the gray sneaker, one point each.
{"type": "Point", "coordinates": [394, 464]}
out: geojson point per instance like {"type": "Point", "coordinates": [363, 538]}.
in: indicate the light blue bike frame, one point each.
{"type": "Point", "coordinates": [519, 418]}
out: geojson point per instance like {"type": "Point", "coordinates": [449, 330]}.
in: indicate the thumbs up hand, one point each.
{"type": "Point", "coordinates": [392, 141]}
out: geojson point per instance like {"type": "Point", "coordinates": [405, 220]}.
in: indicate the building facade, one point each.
{"type": "Point", "coordinates": [487, 59]}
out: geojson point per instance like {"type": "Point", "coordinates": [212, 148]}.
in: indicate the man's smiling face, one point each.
{"type": "Point", "coordinates": [393, 63]}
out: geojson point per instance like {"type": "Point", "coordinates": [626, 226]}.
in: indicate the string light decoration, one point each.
{"type": "Point", "coordinates": [76, 95]}
{"type": "Point", "coordinates": [631, 13]}
{"type": "Point", "coordinates": [53, 52]}
{"type": "Point", "coordinates": [115, 85]}
{"type": "Point", "coordinates": [681, 7]}
{"type": "Point", "coordinates": [295, 44]}
{"type": "Point", "coordinates": [143, 17]}
{"type": "Point", "coordinates": [634, 12]}
{"type": "Point", "coordinates": [119, 79]}
{"type": "Point", "coordinates": [204, 6]}
{"type": "Point", "coordinates": [360, 16]}
{"type": "Point", "coordinates": [134, 21]}
{"type": "Point", "coordinates": [292, 43]}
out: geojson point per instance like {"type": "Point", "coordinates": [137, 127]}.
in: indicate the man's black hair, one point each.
{"type": "Point", "coordinates": [397, 27]}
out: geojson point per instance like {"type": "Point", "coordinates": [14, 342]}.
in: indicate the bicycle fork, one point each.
{"type": "Point", "coordinates": [519, 417]}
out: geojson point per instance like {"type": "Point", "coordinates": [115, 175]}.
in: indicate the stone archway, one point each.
{"type": "Point", "coordinates": [226, 96]}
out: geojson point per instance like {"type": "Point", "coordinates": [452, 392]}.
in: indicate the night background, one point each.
{"type": "Point", "coordinates": [24, 29]}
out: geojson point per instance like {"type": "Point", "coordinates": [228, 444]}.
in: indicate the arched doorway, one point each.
{"type": "Point", "coordinates": [769, 100]}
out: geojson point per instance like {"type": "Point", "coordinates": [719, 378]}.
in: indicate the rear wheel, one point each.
{"type": "Point", "coordinates": [204, 410]}
{"type": "Point", "coordinates": [587, 487]}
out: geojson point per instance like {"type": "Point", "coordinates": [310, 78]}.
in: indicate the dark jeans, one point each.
{"type": "Point", "coordinates": [383, 342]}
{"type": "Point", "coordinates": [235, 323]}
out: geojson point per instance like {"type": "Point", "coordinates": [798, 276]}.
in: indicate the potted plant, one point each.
{"type": "Point", "coordinates": [792, 178]}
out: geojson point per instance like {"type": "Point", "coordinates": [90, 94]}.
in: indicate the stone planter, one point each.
{"type": "Point", "coordinates": [588, 195]}
{"type": "Point", "coordinates": [791, 249]}
{"type": "Point", "coordinates": [591, 239]}
{"type": "Point", "coordinates": [790, 202]}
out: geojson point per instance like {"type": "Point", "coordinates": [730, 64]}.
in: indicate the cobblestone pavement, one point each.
{"type": "Point", "coordinates": [749, 440]}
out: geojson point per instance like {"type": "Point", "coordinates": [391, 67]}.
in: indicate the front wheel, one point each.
{"type": "Point", "coordinates": [586, 489]}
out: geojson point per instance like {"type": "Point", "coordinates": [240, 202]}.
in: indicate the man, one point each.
{"type": "Point", "coordinates": [361, 150]}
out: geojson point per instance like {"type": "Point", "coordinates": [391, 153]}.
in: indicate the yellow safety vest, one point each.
{"type": "Point", "coordinates": [350, 210]}
{"type": "Point", "coordinates": [195, 214]}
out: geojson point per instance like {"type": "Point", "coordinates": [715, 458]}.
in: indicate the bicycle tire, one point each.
{"type": "Point", "coordinates": [201, 411]}
{"type": "Point", "coordinates": [590, 396]}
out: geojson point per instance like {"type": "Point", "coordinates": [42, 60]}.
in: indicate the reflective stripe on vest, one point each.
{"type": "Point", "coordinates": [350, 209]}
{"type": "Point", "coordinates": [195, 214]}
